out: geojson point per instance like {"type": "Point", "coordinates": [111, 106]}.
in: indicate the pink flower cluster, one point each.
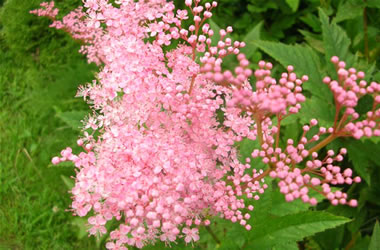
{"type": "Point", "coordinates": [47, 9]}
{"type": "Point", "coordinates": [318, 175]}
{"type": "Point", "coordinates": [161, 162]}
{"type": "Point", "coordinates": [347, 90]}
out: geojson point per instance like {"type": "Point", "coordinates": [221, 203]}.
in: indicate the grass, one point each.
{"type": "Point", "coordinates": [38, 81]}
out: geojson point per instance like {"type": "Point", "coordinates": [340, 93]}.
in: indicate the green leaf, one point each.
{"type": "Point", "coordinates": [363, 155]}
{"type": "Point", "coordinates": [304, 60]}
{"type": "Point", "coordinates": [263, 206]}
{"type": "Point", "coordinates": [292, 227]}
{"type": "Point", "coordinates": [280, 207]}
{"type": "Point", "coordinates": [291, 245]}
{"type": "Point", "coordinates": [246, 147]}
{"type": "Point", "coordinates": [250, 38]}
{"type": "Point", "coordinates": [321, 108]}
{"type": "Point", "coordinates": [331, 238]}
{"type": "Point", "coordinates": [362, 242]}
{"type": "Point", "coordinates": [73, 118]}
{"type": "Point", "coordinates": [375, 239]}
{"type": "Point", "coordinates": [69, 183]}
{"type": "Point", "coordinates": [336, 42]}
{"type": "Point", "coordinates": [349, 10]}
{"type": "Point", "coordinates": [216, 37]}
{"type": "Point", "coordinates": [312, 21]}
{"type": "Point", "coordinates": [293, 4]}
{"type": "Point", "coordinates": [373, 3]}
{"type": "Point", "coordinates": [291, 131]}
{"type": "Point", "coordinates": [313, 40]}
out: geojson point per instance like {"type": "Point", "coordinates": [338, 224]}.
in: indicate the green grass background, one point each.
{"type": "Point", "coordinates": [40, 70]}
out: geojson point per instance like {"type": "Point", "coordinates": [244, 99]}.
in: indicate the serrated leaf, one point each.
{"type": "Point", "coordinates": [292, 245]}
{"type": "Point", "coordinates": [336, 42]}
{"type": "Point", "coordinates": [292, 227]}
{"type": "Point", "coordinates": [73, 118]}
{"type": "Point", "coordinates": [281, 207]}
{"type": "Point", "coordinates": [304, 60]}
{"type": "Point", "coordinates": [313, 40]}
{"type": "Point", "coordinates": [293, 4]}
{"type": "Point", "coordinates": [349, 10]}
{"type": "Point", "coordinates": [363, 156]}
{"type": "Point", "coordinates": [250, 38]}
{"type": "Point", "coordinates": [322, 109]}
{"type": "Point", "coordinates": [375, 239]}
{"type": "Point", "coordinates": [69, 183]}
{"type": "Point", "coordinates": [312, 21]}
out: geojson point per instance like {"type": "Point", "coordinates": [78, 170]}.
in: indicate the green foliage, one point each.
{"type": "Point", "coordinates": [72, 118]}
{"type": "Point", "coordinates": [363, 162]}
{"type": "Point", "coordinates": [375, 240]}
{"type": "Point", "coordinates": [291, 228]}
{"type": "Point", "coordinates": [304, 60]}
{"type": "Point", "coordinates": [40, 71]}
{"type": "Point", "coordinates": [335, 42]}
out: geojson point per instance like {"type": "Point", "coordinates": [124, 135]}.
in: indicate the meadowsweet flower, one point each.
{"type": "Point", "coordinates": [156, 158]}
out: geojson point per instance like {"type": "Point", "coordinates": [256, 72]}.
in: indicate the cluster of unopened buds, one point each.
{"type": "Point", "coordinates": [163, 164]}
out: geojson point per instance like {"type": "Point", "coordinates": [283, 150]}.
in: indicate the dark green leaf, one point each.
{"type": "Point", "coordinates": [331, 238]}
{"type": "Point", "coordinates": [373, 3]}
{"type": "Point", "coordinates": [375, 239]}
{"type": "Point", "coordinates": [363, 156]}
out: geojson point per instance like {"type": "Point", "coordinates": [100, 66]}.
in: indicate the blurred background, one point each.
{"type": "Point", "coordinates": [41, 69]}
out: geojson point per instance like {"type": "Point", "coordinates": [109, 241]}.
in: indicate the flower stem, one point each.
{"type": "Point", "coordinates": [259, 131]}
{"type": "Point", "coordinates": [323, 143]}
{"type": "Point", "coordinates": [209, 230]}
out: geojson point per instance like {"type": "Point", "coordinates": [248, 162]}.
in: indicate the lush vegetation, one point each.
{"type": "Point", "coordinates": [40, 70]}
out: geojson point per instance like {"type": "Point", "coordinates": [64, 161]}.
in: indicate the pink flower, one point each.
{"type": "Point", "coordinates": [191, 234]}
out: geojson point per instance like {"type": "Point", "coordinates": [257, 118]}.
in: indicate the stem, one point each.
{"type": "Point", "coordinates": [337, 110]}
{"type": "Point", "coordinates": [259, 131]}
{"type": "Point", "coordinates": [315, 189]}
{"type": "Point", "coordinates": [278, 130]}
{"type": "Point", "coordinates": [265, 173]}
{"type": "Point", "coordinates": [352, 241]}
{"type": "Point", "coordinates": [209, 230]}
{"type": "Point", "coordinates": [323, 143]}
{"type": "Point", "coordinates": [193, 77]}
{"type": "Point", "coordinates": [191, 84]}
{"type": "Point", "coordinates": [365, 28]}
